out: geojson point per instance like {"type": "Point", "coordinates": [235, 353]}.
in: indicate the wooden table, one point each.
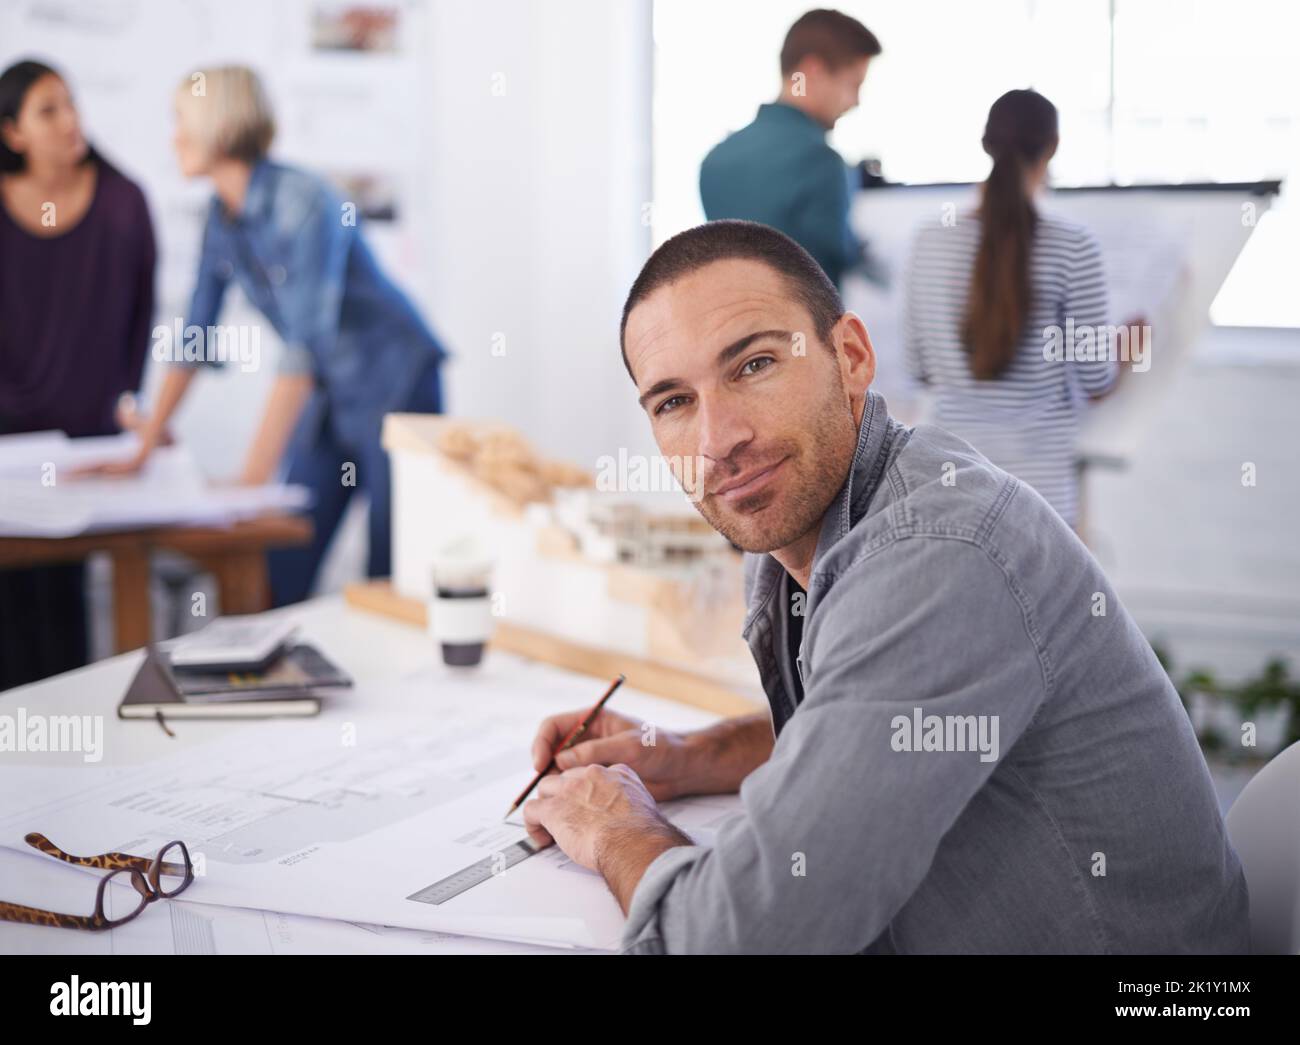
{"type": "Point", "coordinates": [235, 555]}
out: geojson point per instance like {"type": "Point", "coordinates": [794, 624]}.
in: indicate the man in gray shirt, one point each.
{"type": "Point", "coordinates": [971, 746]}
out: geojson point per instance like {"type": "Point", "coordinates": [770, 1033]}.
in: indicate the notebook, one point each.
{"type": "Point", "coordinates": [151, 694]}
{"type": "Point", "coordinates": [299, 671]}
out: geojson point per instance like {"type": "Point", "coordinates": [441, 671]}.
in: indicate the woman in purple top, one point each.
{"type": "Point", "coordinates": [76, 306]}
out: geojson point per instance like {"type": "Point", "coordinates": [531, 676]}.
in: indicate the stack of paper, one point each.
{"type": "Point", "coordinates": [40, 496]}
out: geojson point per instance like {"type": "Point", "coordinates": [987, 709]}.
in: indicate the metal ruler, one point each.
{"type": "Point", "coordinates": [476, 873]}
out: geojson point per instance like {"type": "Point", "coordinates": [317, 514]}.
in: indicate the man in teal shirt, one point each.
{"type": "Point", "coordinates": [779, 170]}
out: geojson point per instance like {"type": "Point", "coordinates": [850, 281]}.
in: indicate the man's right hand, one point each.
{"type": "Point", "coordinates": [658, 756]}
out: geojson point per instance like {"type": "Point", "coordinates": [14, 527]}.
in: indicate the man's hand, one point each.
{"type": "Point", "coordinates": [710, 761]}
{"type": "Point", "coordinates": [605, 819]}
{"type": "Point", "coordinates": [655, 755]}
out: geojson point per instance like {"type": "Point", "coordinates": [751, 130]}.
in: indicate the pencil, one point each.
{"type": "Point", "coordinates": [569, 741]}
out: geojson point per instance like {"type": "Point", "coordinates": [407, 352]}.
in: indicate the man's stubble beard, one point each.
{"type": "Point", "coordinates": [816, 472]}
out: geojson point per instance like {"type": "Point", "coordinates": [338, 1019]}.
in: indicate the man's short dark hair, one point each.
{"type": "Point", "coordinates": [746, 240]}
{"type": "Point", "coordinates": [833, 37]}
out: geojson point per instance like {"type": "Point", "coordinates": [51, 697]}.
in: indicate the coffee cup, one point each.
{"type": "Point", "coordinates": [460, 607]}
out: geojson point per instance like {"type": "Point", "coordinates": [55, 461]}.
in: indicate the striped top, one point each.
{"type": "Point", "coordinates": [1027, 420]}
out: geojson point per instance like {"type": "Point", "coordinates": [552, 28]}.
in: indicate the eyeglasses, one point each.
{"type": "Point", "coordinates": [167, 875]}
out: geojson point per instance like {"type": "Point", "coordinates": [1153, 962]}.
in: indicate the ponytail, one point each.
{"type": "Point", "coordinates": [1021, 128]}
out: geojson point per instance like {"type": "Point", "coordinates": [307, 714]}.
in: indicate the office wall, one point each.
{"type": "Point", "coordinates": [1208, 566]}
{"type": "Point", "coordinates": [541, 119]}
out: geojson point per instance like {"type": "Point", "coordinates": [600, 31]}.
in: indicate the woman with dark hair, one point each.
{"type": "Point", "coordinates": [76, 306]}
{"type": "Point", "coordinates": [982, 299]}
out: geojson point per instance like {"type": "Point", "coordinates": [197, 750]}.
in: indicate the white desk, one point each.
{"type": "Point", "coordinates": [371, 648]}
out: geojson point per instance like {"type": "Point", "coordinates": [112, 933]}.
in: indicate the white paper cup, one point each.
{"type": "Point", "coordinates": [460, 608]}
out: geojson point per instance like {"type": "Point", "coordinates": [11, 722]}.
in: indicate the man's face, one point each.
{"type": "Point", "coordinates": [835, 92]}
{"type": "Point", "coordinates": [847, 86]}
{"type": "Point", "coordinates": [731, 374]}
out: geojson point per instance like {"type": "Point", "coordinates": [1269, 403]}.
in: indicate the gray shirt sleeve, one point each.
{"type": "Point", "coordinates": [839, 827]}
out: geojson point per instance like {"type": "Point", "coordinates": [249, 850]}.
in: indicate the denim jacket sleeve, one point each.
{"type": "Point", "coordinates": [210, 284]}
{"type": "Point", "coordinates": [839, 828]}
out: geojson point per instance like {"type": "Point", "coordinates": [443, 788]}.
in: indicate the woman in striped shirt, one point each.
{"type": "Point", "coordinates": [988, 292]}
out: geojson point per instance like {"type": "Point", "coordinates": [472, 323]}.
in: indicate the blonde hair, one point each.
{"type": "Point", "coordinates": [226, 110]}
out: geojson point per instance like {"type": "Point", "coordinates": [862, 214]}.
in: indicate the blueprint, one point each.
{"type": "Point", "coordinates": [346, 819]}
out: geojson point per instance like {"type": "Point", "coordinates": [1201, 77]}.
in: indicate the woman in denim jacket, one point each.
{"type": "Point", "coordinates": [354, 346]}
